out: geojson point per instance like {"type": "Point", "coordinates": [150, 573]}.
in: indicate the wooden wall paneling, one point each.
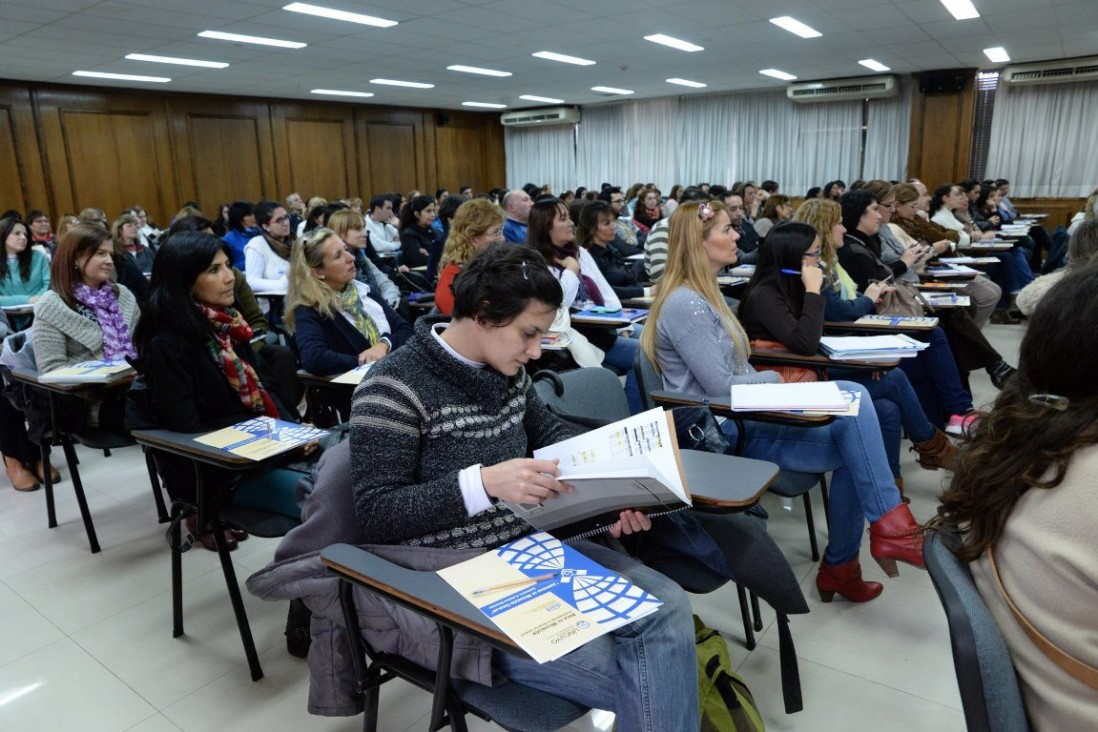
{"type": "Point", "coordinates": [224, 152]}
{"type": "Point", "coordinates": [1059, 210]}
{"type": "Point", "coordinates": [314, 150]}
{"type": "Point", "coordinates": [459, 157]}
{"type": "Point", "coordinates": [941, 134]}
{"type": "Point", "coordinates": [23, 186]}
{"type": "Point", "coordinates": [109, 150]}
{"type": "Point", "coordinates": [390, 150]}
{"type": "Point", "coordinates": [496, 156]}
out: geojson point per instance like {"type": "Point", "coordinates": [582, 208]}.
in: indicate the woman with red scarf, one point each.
{"type": "Point", "coordinates": [201, 374]}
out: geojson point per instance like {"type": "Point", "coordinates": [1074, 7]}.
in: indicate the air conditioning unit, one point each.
{"type": "Point", "coordinates": [552, 116]}
{"type": "Point", "coordinates": [1053, 72]}
{"type": "Point", "coordinates": [843, 90]}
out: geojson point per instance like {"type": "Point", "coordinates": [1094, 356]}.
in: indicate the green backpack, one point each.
{"type": "Point", "coordinates": [726, 702]}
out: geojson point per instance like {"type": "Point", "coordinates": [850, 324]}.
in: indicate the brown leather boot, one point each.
{"type": "Point", "coordinates": [896, 536]}
{"type": "Point", "coordinates": [937, 452]}
{"type": "Point", "coordinates": [846, 579]}
{"type": "Point", "coordinates": [55, 474]}
{"type": "Point", "coordinates": [900, 487]}
{"type": "Point", "coordinates": [21, 478]}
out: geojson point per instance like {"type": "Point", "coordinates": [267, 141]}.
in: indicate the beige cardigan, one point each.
{"type": "Point", "coordinates": [1048, 561]}
{"type": "Point", "coordinates": [63, 337]}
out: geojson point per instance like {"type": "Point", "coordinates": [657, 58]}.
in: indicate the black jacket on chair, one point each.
{"type": "Point", "coordinates": [330, 346]}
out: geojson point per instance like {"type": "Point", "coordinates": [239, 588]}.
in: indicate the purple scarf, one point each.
{"type": "Point", "coordinates": [588, 289]}
{"type": "Point", "coordinates": [117, 344]}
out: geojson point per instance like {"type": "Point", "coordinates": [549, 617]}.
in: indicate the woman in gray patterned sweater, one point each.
{"type": "Point", "coordinates": [439, 433]}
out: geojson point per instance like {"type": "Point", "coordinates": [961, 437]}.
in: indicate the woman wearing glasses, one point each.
{"type": "Point", "coordinates": [477, 225]}
{"type": "Point", "coordinates": [267, 256]}
{"type": "Point", "coordinates": [700, 348]}
{"type": "Point", "coordinates": [784, 303]}
{"type": "Point", "coordinates": [338, 322]}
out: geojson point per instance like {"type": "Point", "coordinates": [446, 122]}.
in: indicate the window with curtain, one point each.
{"type": "Point", "coordinates": [541, 155]}
{"type": "Point", "coordinates": [1043, 141]}
{"type": "Point", "coordinates": [888, 134]}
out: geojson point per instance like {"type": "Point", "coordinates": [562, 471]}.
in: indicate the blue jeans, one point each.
{"type": "Point", "coordinates": [934, 377]}
{"type": "Point", "coordinates": [896, 404]}
{"type": "Point", "coordinates": [620, 358]}
{"type": "Point", "coordinates": [862, 486]}
{"type": "Point", "coordinates": [645, 672]}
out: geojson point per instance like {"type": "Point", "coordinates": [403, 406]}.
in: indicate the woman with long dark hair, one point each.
{"type": "Point", "coordinates": [595, 232]}
{"type": "Point", "coordinates": [417, 234]}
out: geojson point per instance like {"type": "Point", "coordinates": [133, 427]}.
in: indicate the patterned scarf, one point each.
{"type": "Point", "coordinates": [589, 289]}
{"type": "Point", "coordinates": [350, 303]}
{"type": "Point", "coordinates": [117, 344]}
{"type": "Point", "coordinates": [229, 327]}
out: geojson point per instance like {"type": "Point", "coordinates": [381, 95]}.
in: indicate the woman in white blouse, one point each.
{"type": "Point", "coordinates": [267, 256]}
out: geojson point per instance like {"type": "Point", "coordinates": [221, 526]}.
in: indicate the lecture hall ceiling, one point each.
{"type": "Point", "coordinates": [47, 40]}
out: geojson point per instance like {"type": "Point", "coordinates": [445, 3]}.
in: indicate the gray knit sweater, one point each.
{"type": "Point", "coordinates": [418, 419]}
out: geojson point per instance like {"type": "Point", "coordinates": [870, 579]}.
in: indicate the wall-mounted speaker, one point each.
{"type": "Point", "coordinates": [942, 83]}
{"type": "Point", "coordinates": [443, 119]}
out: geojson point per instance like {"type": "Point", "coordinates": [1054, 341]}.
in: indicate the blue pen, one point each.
{"type": "Point", "coordinates": [795, 272]}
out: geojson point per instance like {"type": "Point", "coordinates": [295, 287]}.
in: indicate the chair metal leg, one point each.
{"type": "Point", "coordinates": [51, 508]}
{"type": "Point", "coordinates": [234, 596]}
{"type": "Point", "coordinates": [745, 615]}
{"type": "Point", "coordinates": [154, 481]}
{"type": "Point", "coordinates": [178, 509]}
{"type": "Point", "coordinates": [78, 487]}
{"type": "Point", "coordinates": [755, 612]}
{"type": "Point", "coordinates": [827, 507]}
{"type": "Point", "coordinates": [811, 526]}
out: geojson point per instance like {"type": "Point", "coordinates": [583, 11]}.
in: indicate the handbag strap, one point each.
{"type": "Point", "coordinates": [1069, 664]}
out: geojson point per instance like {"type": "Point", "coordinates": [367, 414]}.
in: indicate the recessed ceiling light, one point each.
{"type": "Point", "coordinates": [258, 40]}
{"type": "Point", "coordinates": [545, 100]}
{"type": "Point", "coordinates": [550, 56]}
{"type": "Point", "coordinates": [687, 82]}
{"type": "Point", "coordinates": [673, 42]}
{"type": "Point", "coordinates": [122, 77]}
{"type": "Point", "coordinates": [477, 70]}
{"type": "Point", "coordinates": [874, 65]}
{"type": "Point", "coordinates": [484, 105]}
{"type": "Point", "coordinates": [341, 93]}
{"type": "Point", "coordinates": [611, 90]}
{"type": "Point", "coordinates": [339, 15]}
{"type": "Point", "coordinates": [777, 74]}
{"type": "Point", "coordinates": [177, 61]}
{"type": "Point", "coordinates": [997, 55]}
{"type": "Point", "coordinates": [796, 27]}
{"type": "Point", "coordinates": [397, 82]}
{"type": "Point", "coordinates": [961, 9]}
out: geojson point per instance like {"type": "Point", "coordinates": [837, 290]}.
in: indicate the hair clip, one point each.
{"type": "Point", "coordinates": [705, 212]}
{"type": "Point", "coordinates": [525, 276]}
{"type": "Point", "coordinates": [1052, 401]}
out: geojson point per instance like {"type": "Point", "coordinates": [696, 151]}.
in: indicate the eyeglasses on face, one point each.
{"type": "Point", "coordinates": [814, 254]}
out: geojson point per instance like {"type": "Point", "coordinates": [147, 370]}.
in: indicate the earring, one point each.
{"type": "Point", "coordinates": [320, 276]}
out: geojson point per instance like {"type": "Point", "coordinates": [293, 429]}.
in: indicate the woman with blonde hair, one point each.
{"type": "Point", "coordinates": [477, 225]}
{"type": "Point", "coordinates": [701, 349]}
{"type": "Point", "coordinates": [350, 226]}
{"type": "Point", "coordinates": [126, 233]}
{"type": "Point", "coordinates": [338, 322]}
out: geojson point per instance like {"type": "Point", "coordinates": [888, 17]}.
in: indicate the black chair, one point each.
{"type": "Point", "coordinates": [990, 695]}
{"type": "Point", "coordinates": [789, 483]}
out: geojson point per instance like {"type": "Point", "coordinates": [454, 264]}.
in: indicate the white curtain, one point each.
{"type": "Point", "coordinates": [1043, 139]}
{"type": "Point", "coordinates": [541, 155]}
{"type": "Point", "coordinates": [718, 138]}
{"type": "Point", "coordinates": [888, 135]}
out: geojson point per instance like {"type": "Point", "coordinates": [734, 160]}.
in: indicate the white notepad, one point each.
{"type": "Point", "coordinates": [819, 396]}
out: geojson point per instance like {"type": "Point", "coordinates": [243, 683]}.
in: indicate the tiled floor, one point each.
{"type": "Point", "coordinates": [86, 643]}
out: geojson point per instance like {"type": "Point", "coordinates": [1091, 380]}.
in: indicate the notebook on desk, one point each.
{"type": "Point", "coordinates": [87, 372]}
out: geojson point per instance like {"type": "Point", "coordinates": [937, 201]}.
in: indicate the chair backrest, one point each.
{"type": "Point", "coordinates": [985, 674]}
{"type": "Point", "coordinates": [648, 379]}
{"type": "Point", "coordinates": [594, 393]}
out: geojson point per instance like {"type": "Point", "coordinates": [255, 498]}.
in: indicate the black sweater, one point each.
{"type": "Point", "coordinates": [768, 314]}
{"type": "Point", "coordinates": [412, 239]}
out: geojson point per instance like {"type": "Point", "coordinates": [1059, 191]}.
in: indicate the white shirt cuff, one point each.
{"type": "Point", "coordinates": [472, 490]}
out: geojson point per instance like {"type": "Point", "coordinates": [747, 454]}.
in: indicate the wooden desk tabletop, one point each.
{"type": "Point", "coordinates": [722, 407]}
{"type": "Point", "coordinates": [186, 446]}
{"type": "Point", "coordinates": [882, 327]}
{"type": "Point", "coordinates": [31, 377]}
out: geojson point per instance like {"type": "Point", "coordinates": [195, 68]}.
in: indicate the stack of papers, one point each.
{"type": "Point", "coordinates": [947, 299]}
{"type": "Point", "coordinates": [610, 315]}
{"type": "Point", "coordinates": [910, 321]}
{"type": "Point", "coordinates": [261, 437]}
{"type": "Point", "coordinates": [355, 376]}
{"type": "Point", "coordinates": [952, 271]}
{"type": "Point", "coordinates": [969, 260]}
{"type": "Point", "coordinates": [818, 396]}
{"type": "Point", "coordinates": [870, 348]}
{"type": "Point", "coordinates": [87, 372]}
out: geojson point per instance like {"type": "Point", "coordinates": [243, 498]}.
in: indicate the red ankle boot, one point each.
{"type": "Point", "coordinates": [895, 536]}
{"type": "Point", "coordinates": [846, 579]}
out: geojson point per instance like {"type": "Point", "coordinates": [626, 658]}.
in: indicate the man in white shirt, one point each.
{"type": "Point", "coordinates": [383, 235]}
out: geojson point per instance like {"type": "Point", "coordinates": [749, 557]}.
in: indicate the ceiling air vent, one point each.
{"type": "Point", "coordinates": [842, 90]}
{"type": "Point", "coordinates": [553, 116]}
{"type": "Point", "coordinates": [1053, 72]}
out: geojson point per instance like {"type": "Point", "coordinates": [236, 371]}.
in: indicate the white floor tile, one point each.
{"type": "Point", "coordinates": [28, 630]}
{"type": "Point", "coordinates": [155, 723]}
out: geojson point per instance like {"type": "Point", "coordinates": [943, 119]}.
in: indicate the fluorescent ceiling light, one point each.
{"type": "Point", "coordinates": [122, 77]}
{"type": "Point", "coordinates": [484, 105]}
{"type": "Point", "coordinates": [339, 15]}
{"type": "Point", "coordinates": [687, 82]}
{"type": "Point", "coordinates": [477, 70]}
{"type": "Point", "coordinates": [177, 61]}
{"type": "Point", "coordinates": [874, 65]}
{"type": "Point", "coordinates": [546, 100]}
{"type": "Point", "coordinates": [550, 56]}
{"type": "Point", "coordinates": [397, 82]}
{"type": "Point", "coordinates": [961, 9]}
{"type": "Point", "coordinates": [611, 90]}
{"type": "Point", "coordinates": [997, 55]}
{"type": "Point", "coordinates": [795, 27]}
{"type": "Point", "coordinates": [258, 40]}
{"type": "Point", "coordinates": [673, 42]}
{"type": "Point", "coordinates": [777, 74]}
{"type": "Point", "coordinates": [341, 93]}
